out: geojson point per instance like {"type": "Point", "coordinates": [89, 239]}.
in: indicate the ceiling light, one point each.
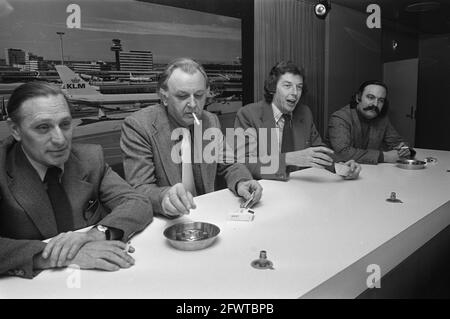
{"type": "Point", "coordinates": [322, 8]}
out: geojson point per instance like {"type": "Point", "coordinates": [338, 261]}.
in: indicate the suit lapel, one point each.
{"type": "Point", "coordinates": [161, 132]}
{"type": "Point", "coordinates": [29, 192]}
{"type": "Point", "coordinates": [268, 122]}
{"type": "Point", "coordinates": [77, 188]}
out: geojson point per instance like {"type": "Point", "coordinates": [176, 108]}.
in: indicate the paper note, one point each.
{"type": "Point", "coordinates": [242, 214]}
{"type": "Point", "coordinates": [341, 169]}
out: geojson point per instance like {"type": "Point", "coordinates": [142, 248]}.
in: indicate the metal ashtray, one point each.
{"type": "Point", "coordinates": [410, 164]}
{"type": "Point", "coordinates": [191, 235]}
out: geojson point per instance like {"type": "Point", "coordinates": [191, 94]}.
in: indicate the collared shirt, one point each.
{"type": "Point", "coordinates": [40, 168]}
{"type": "Point", "coordinates": [279, 123]}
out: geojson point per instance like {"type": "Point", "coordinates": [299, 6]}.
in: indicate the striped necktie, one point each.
{"type": "Point", "coordinates": [287, 143]}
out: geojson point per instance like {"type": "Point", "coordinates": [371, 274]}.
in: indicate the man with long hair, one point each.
{"type": "Point", "coordinates": [362, 131]}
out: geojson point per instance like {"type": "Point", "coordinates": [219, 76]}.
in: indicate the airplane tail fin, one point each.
{"type": "Point", "coordinates": [73, 83]}
{"type": "Point", "coordinates": [101, 114]}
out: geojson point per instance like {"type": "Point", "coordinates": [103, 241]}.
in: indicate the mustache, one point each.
{"type": "Point", "coordinates": [372, 108]}
{"type": "Point", "coordinates": [196, 111]}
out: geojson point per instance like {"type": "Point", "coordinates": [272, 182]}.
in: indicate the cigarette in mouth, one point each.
{"type": "Point", "coordinates": [195, 119]}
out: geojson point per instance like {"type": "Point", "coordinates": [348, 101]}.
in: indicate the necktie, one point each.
{"type": "Point", "coordinates": [287, 142]}
{"type": "Point", "coordinates": [59, 200]}
{"type": "Point", "coordinates": [187, 175]}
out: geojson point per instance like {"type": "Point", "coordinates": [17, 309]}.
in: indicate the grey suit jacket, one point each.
{"type": "Point", "coordinates": [345, 136]}
{"type": "Point", "coordinates": [146, 146]}
{"type": "Point", "coordinates": [260, 115]}
{"type": "Point", "coordinates": [96, 193]}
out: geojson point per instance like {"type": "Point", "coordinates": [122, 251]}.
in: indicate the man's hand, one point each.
{"type": "Point", "coordinates": [65, 246]}
{"type": "Point", "coordinates": [246, 188]}
{"type": "Point", "coordinates": [110, 255]}
{"type": "Point", "coordinates": [177, 201]}
{"type": "Point", "coordinates": [403, 150]}
{"type": "Point", "coordinates": [310, 157]}
{"type": "Point", "coordinates": [354, 170]}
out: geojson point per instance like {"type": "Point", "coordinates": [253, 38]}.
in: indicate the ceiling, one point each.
{"type": "Point", "coordinates": [436, 21]}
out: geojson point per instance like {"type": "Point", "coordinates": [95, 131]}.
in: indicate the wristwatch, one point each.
{"type": "Point", "coordinates": [105, 230]}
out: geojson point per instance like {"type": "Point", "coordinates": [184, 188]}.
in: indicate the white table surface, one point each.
{"type": "Point", "coordinates": [320, 231]}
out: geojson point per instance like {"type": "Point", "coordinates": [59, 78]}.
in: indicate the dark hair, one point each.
{"type": "Point", "coordinates": [357, 96]}
{"type": "Point", "coordinates": [188, 65]}
{"type": "Point", "coordinates": [28, 91]}
{"type": "Point", "coordinates": [282, 67]}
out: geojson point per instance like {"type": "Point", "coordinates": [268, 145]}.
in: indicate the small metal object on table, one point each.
{"type": "Point", "coordinates": [262, 262]}
{"type": "Point", "coordinates": [393, 198]}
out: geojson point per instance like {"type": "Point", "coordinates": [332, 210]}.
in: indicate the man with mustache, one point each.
{"type": "Point", "coordinates": [362, 130]}
{"type": "Point", "coordinates": [151, 155]}
{"type": "Point", "coordinates": [297, 142]}
{"type": "Point", "coordinates": [50, 187]}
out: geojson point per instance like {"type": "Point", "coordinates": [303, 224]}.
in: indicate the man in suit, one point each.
{"type": "Point", "coordinates": [50, 187]}
{"type": "Point", "coordinates": [151, 145]}
{"type": "Point", "coordinates": [362, 130]}
{"type": "Point", "coordinates": [288, 125]}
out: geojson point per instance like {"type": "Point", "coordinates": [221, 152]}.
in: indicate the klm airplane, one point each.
{"type": "Point", "coordinates": [81, 92]}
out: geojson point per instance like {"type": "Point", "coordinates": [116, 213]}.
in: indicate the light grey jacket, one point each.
{"type": "Point", "coordinates": [147, 146]}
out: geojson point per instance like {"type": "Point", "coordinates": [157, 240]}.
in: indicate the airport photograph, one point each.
{"type": "Point", "coordinates": [110, 67]}
{"type": "Point", "coordinates": [205, 150]}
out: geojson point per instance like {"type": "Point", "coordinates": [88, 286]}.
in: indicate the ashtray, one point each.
{"type": "Point", "coordinates": [191, 235]}
{"type": "Point", "coordinates": [410, 164]}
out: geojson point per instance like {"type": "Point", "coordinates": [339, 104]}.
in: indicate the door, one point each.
{"type": "Point", "coordinates": [401, 80]}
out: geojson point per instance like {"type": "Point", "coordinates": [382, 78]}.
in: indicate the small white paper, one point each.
{"type": "Point", "coordinates": [242, 214]}
{"type": "Point", "coordinates": [341, 169]}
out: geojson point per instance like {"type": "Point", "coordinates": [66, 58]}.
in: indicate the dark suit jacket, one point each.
{"type": "Point", "coordinates": [260, 115]}
{"type": "Point", "coordinates": [147, 146]}
{"type": "Point", "coordinates": [345, 136]}
{"type": "Point", "coordinates": [96, 193]}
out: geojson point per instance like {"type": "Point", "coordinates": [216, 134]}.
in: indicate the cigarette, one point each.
{"type": "Point", "coordinates": [127, 247]}
{"type": "Point", "coordinates": [252, 196]}
{"type": "Point", "coordinates": [195, 119]}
